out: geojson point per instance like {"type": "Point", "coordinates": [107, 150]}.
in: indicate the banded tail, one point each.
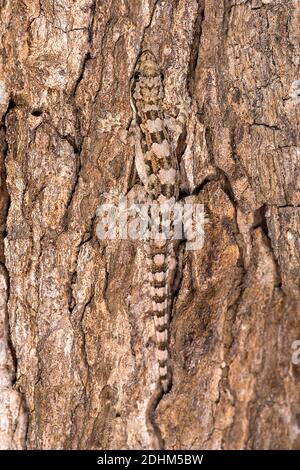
{"type": "Point", "coordinates": [161, 265]}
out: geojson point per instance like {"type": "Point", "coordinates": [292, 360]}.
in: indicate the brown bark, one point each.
{"type": "Point", "coordinates": [76, 354]}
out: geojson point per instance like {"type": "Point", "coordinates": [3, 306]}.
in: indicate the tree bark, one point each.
{"type": "Point", "coordinates": [76, 349]}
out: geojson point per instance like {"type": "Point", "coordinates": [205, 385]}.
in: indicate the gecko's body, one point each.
{"type": "Point", "coordinates": [157, 168]}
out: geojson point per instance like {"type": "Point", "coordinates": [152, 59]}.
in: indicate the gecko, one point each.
{"type": "Point", "coordinates": [157, 167]}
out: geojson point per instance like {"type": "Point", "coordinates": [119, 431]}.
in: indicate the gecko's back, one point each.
{"type": "Point", "coordinates": [155, 161]}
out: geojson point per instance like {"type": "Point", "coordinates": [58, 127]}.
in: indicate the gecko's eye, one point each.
{"type": "Point", "coordinates": [137, 75]}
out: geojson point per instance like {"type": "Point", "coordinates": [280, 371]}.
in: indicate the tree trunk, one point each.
{"type": "Point", "coordinates": [77, 360]}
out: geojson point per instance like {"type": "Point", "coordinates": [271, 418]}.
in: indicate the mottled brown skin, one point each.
{"type": "Point", "coordinates": [147, 95]}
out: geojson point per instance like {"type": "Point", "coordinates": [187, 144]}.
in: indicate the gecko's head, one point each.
{"type": "Point", "coordinates": [146, 82]}
{"type": "Point", "coordinates": [147, 65]}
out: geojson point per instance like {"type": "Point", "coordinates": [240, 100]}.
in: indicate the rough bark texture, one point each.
{"type": "Point", "coordinates": [76, 354]}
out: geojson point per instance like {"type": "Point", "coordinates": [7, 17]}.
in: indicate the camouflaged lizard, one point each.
{"type": "Point", "coordinates": [157, 167]}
